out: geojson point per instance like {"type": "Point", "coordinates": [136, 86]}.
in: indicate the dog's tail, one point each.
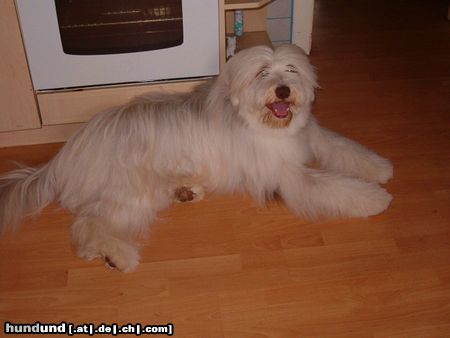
{"type": "Point", "coordinates": [24, 191]}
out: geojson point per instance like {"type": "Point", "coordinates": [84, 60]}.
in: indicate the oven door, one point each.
{"type": "Point", "coordinates": [75, 43]}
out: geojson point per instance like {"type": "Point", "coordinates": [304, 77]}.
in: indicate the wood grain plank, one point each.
{"type": "Point", "coordinates": [227, 267]}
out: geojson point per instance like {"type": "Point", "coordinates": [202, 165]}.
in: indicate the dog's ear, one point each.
{"type": "Point", "coordinates": [241, 70]}
{"type": "Point", "coordinates": [223, 86]}
{"type": "Point", "coordinates": [227, 79]}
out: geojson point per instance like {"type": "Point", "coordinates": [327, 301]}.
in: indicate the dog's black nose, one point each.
{"type": "Point", "coordinates": [282, 92]}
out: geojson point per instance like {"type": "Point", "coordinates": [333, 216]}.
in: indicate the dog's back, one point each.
{"type": "Point", "coordinates": [118, 150]}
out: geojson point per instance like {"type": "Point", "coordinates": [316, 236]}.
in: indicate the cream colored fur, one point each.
{"type": "Point", "coordinates": [119, 171]}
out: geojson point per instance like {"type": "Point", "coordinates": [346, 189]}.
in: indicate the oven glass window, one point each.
{"type": "Point", "coordinates": [91, 27]}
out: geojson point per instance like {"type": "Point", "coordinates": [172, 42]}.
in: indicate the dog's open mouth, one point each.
{"type": "Point", "coordinates": [281, 109]}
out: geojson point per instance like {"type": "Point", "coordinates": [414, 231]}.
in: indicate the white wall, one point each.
{"type": "Point", "coordinates": [302, 24]}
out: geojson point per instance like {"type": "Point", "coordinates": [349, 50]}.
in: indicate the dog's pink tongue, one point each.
{"type": "Point", "coordinates": [280, 109]}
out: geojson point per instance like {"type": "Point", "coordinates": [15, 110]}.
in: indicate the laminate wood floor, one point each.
{"type": "Point", "coordinates": [226, 268]}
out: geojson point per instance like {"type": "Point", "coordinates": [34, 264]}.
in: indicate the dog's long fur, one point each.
{"type": "Point", "coordinates": [125, 164]}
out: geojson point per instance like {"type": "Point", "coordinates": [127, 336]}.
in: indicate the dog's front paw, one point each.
{"type": "Point", "coordinates": [383, 170]}
{"type": "Point", "coordinates": [373, 168]}
{"type": "Point", "coordinates": [379, 202]}
{"type": "Point", "coordinates": [370, 200]}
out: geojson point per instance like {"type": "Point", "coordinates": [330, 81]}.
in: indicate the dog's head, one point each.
{"type": "Point", "coordinates": [271, 88]}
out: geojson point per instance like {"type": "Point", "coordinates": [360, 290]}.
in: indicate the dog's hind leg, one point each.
{"type": "Point", "coordinates": [343, 155]}
{"type": "Point", "coordinates": [93, 238]}
{"type": "Point", "coordinates": [188, 193]}
{"type": "Point", "coordinates": [109, 230]}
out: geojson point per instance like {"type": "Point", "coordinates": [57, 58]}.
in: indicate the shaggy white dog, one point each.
{"type": "Point", "coordinates": [249, 129]}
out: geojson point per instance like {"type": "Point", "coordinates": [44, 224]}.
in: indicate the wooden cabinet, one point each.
{"type": "Point", "coordinates": [245, 4]}
{"type": "Point", "coordinates": [254, 22]}
{"type": "Point", "coordinates": [29, 117]}
{"type": "Point", "coordinates": [17, 101]}
{"type": "Point", "coordinates": [81, 105]}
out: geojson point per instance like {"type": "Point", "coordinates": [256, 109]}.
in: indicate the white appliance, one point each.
{"type": "Point", "coordinates": [76, 43]}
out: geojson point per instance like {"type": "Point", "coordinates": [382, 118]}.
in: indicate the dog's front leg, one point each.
{"type": "Point", "coordinates": [340, 154]}
{"type": "Point", "coordinates": [313, 193]}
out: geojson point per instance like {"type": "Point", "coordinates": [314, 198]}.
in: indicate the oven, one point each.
{"type": "Point", "coordinates": [78, 43]}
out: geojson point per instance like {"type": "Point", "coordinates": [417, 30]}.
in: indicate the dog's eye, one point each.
{"type": "Point", "coordinates": [291, 69]}
{"type": "Point", "coordinates": [263, 72]}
